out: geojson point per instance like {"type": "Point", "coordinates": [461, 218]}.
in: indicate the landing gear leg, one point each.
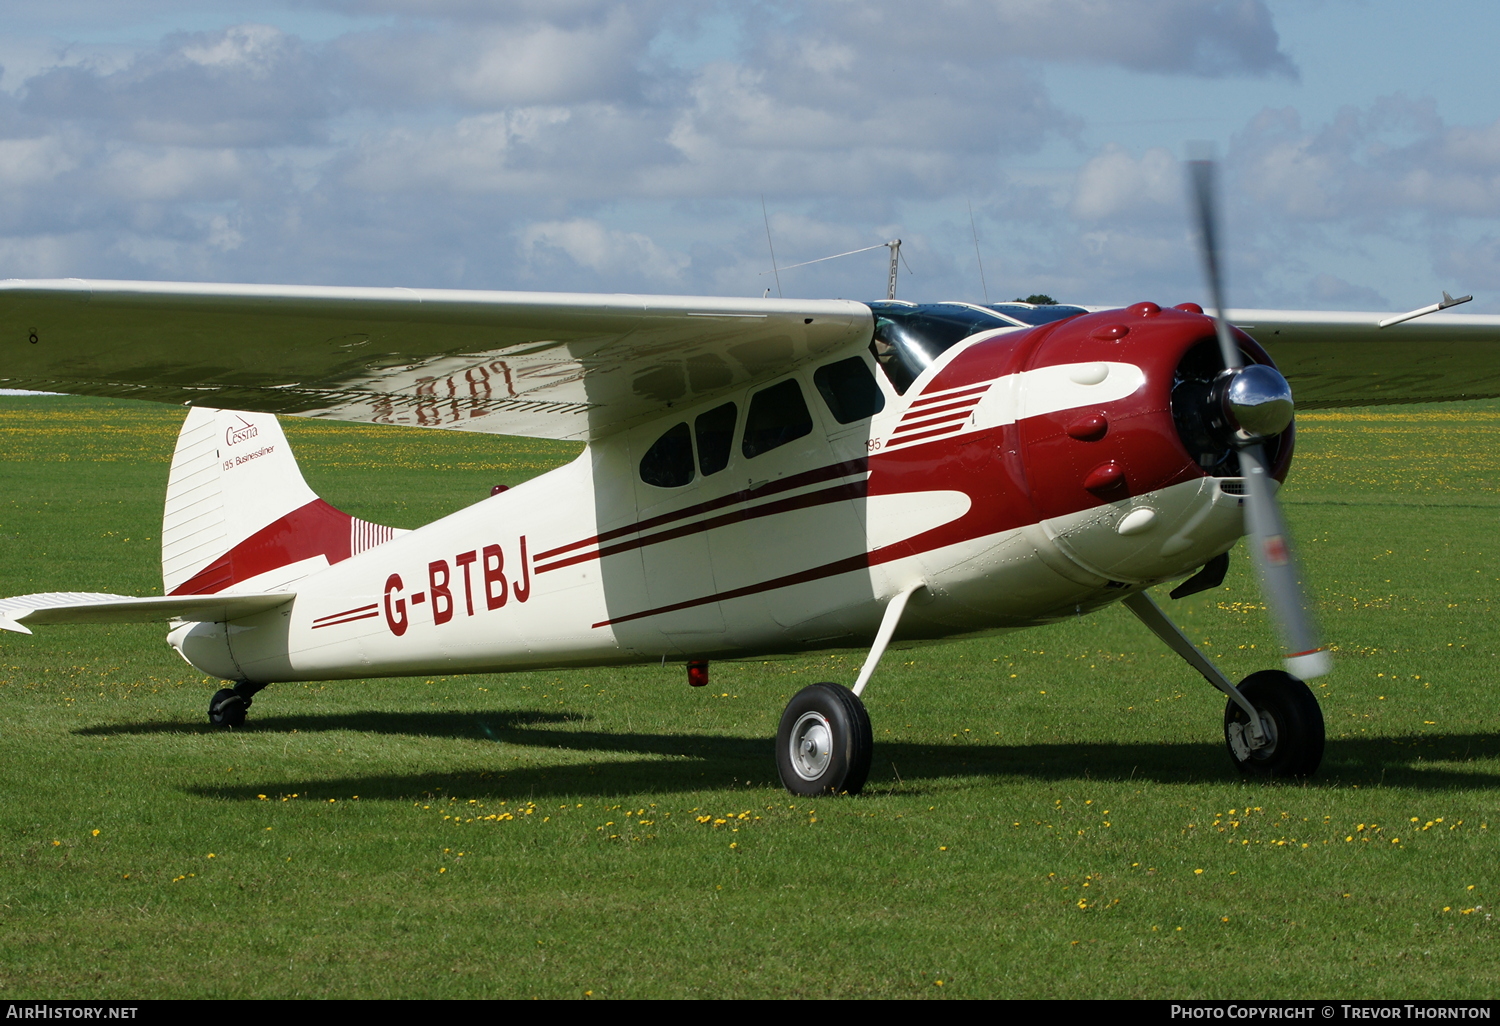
{"type": "Point", "coordinates": [229, 705]}
{"type": "Point", "coordinates": [1272, 723]}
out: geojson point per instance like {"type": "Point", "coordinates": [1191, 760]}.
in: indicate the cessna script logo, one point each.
{"type": "Point", "coordinates": [242, 432]}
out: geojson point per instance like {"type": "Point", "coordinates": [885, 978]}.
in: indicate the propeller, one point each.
{"type": "Point", "coordinates": [1258, 401]}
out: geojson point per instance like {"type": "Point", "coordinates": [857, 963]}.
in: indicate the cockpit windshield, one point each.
{"type": "Point", "coordinates": [1034, 315]}
{"type": "Point", "coordinates": [909, 336]}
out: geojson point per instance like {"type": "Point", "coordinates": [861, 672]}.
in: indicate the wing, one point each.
{"type": "Point", "coordinates": [546, 365]}
{"type": "Point", "coordinates": [1345, 359]}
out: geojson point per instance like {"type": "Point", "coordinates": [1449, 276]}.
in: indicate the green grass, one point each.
{"type": "Point", "coordinates": [1039, 813]}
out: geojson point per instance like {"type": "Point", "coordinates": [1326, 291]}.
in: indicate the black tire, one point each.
{"type": "Point", "coordinates": [1290, 713]}
{"type": "Point", "coordinates": [228, 708]}
{"type": "Point", "coordinates": [824, 742]}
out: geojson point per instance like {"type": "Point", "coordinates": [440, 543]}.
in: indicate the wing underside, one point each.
{"type": "Point", "coordinates": [539, 364]}
{"type": "Point", "coordinates": [1346, 359]}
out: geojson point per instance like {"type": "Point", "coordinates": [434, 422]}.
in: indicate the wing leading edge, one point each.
{"type": "Point", "coordinates": [548, 365]}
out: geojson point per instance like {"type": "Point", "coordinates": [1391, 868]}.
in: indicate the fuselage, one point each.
{"type": "Point", "coordinates": [1020, 476]}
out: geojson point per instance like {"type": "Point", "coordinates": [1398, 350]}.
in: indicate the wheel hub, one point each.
{"type": "Point", "coordinates": [1242, 743]}
{"type": "Point", "coordinates": [812, 745]}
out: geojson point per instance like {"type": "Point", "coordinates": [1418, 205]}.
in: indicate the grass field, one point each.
{"type": "Point", "coordinates": [1051, 813]}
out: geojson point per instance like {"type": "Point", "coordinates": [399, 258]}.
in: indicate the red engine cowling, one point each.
{"type": "Point", "coordinates": [1164, 433]}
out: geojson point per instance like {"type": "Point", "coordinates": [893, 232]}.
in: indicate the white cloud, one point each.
{"type": "Point", "coordinates": [1211, 38]}
{"type": "Point", "coordinates": [256, 48]}
{"type": "Point", "coordinates": [589, 244]}
{"type": "Point", "coordinates": [30, 162]}
{"type": "Point", "coordinates": [1394, 157]}
{"type": "Point", "coordinates": [171, 173]}
{"type": "Point", "coordinates": [1114, 183]}
{"type": "Point", "coordinates": [524, 62]}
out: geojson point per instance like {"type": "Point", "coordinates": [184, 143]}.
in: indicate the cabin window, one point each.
{"type": "Point", "coordinates": [849, 389]}
{"type": "Point", "coordinates": [715, 431]}
{"type": "Point", "coordinates": [778, 415]}
{"type": "Point", "coordinates": [669, 461]}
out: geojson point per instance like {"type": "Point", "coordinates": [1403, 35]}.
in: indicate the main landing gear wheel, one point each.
{"type": "Point", "coordinates": [1291, 719]}
{"type": "Point", "coordinates": [824, 743]}
{"type": "Point", "coordinates": [228, 708]}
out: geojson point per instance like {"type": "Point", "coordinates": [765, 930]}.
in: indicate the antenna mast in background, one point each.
{"type": "Point", "coordinates": [894, 246]}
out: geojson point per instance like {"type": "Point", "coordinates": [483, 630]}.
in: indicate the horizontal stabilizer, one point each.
{"type": "Point", "coordinates": [54, 607]}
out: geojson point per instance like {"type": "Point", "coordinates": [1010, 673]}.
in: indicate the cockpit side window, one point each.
{"type": "Point", "coordinates": [849, 389]}
{"type": "Point", "coordinates": [669, 461]}
{"type": "Point", "coordinates": [778, 415]}
{"type": "Point", "coordinates": [715, 431]}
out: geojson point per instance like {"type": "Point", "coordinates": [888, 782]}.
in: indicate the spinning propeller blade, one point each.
{"type": "Point", "coordinates": [1259, 401]}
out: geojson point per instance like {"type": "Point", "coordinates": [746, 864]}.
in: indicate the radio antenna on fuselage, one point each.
{"type": "Point", "coordinates": [767, 218]}
{"type": "Point", "coordinates": [975, 229]}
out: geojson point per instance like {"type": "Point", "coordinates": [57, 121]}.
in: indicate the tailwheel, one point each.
{"type": "Point", "coordinates": [228, 708]}
{"type": "Point", "coordinates": [824, 743]}
{"type": "Point", "coordinates": [1292, 722]}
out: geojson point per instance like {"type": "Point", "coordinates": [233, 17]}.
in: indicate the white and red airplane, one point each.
{"type": "Point", "coordinates": [760, 476]}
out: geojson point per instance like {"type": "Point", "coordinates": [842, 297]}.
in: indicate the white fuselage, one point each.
{"type": "Point", "coordinates": [797, 548]}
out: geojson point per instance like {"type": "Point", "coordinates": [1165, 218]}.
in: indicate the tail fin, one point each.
{"type": "Point", "coordinates": [238, 510]}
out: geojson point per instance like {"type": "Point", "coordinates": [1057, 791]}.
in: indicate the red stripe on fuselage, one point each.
{"type": "Point", "coordinates": [347, 612]}
{"type": "Point", "coordinates": [939, 433]}
{"type": "Point", "coordinates": [838, 493]}
{"type": "Point", "coordinates": [316, 529]}
{"type": "Point", "coordinates": [933, 411]}
{"type": "Point", "coordinates": [827, 473]}
{"type": "Point", "coordinates": [947, 394]}
{"type": "Point", "coordinates": [347, 619]}
{"type": "Point", "coordinates": [949, 419]}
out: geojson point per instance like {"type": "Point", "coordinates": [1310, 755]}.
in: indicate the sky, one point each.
{"type": "Point", "coordinates": [1015, 146]}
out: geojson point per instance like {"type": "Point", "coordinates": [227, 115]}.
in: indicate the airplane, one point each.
{"type": "Point", "coordinates": [759, 476]}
